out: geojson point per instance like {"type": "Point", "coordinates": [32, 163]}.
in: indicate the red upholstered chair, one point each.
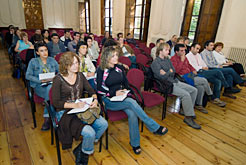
{"type": "Point", "coordinates": [142, 60]}
{"type": "Point", "coordinates": [125, 60]}
{"type": "Point", "coordinates": [151, 45]}
{"type": "Point", "coordinates": [22, 54]}
{"type": "Point", "coordinates": [136, 51]}
{"type": "Point", "coordinates": [147, 99]}
{"type": "Point", "coordinates": [57, 57]}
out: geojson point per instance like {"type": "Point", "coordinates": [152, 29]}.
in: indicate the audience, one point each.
{"type": "Point", "coordinates": [164, 71]}
{"type": "Point", "coordinates": [106, 36]}
{"type": "Point", "coordinates": [112, 81]}
{"type": "Point", "coordinates": [82, 37]}
{"type": "Point", "coordinates": [180, 40]}
{"type": "Point", "coordinates": [66, 38]}
{"type": "Point", "coordinates": [183, 68]}
{"type": "Point", "coordinates": [37, 31]}
{"type": "Point", "coordinates": [209, 59]}
{"type": "Point", "coordinates": [130, 39]}
{"type": "Point", "coordinates": [55, 46]}
{"type": "Point", "coordinates": [39, 65]}
{"type": "Point", "coordinates": [215, 77]}
{"type": "Point", "coordinates": [46, 36]}
{"type": "Point", "coordinates": [221, 59]}
{"type": "Point", "coordinates": [186, 43]}
{"type": "Point", "coordinates": [92, 51]}
{"type": "Point", "coordinates": [73, 44]}
{"type": "Point", "coordinates": [9, 35]}
{"type": "Point", "coordinates": [94, 42]}
{"type": "Point", "coordinates": [68, 86]}
{"type": "Point", "coordinates": [86, 65]}
{"type": "Point", "coordinates": [153, 50]}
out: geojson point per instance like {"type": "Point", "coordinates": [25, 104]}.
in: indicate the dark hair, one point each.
{"type": "Point", "coordinates": [37, 38]}
{"type": "Point", "coordinates": [186, 38]}
{"type": "Point", "coordinates": [118, 35]}
{"type": "Point", "coordinates": [10, 26]}
{"type": "Point", "coordinates": [194, 44]}
{"type": "Point", "coordinates": [90, 34]}
{"type": "Point", "coordinates": [177, 46]}
{"type": "Point", "coordinates": [128, 34]}
{"type": "Point", "coordinates": [159, 40]}
{"type": "Point", "coordinates": [180, 38]}
{"type": "Point", "coordinates": [207, 43]}
{"type": "Point", "coordinates": [87, 38]}
{"type": "Point", "coordinates": [38, 45]}
{"type": "Point", "coordinates": [75, 33]}
{"type": "Point", "coordinates": [218, 44]}
{"type": "Point", "coordinates": [109, 42]}
{"type": "Point", "coordinates": [54, 34]}
{"type": "Point", "coordinates": [43, 31]}
{"type": "Point", "coordinates": [65, 31]}
{"type": "Point", "coordinates": [80, 44]}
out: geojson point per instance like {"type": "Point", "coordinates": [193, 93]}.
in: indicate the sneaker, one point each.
{"type": "Point", "coordinates": [190, 122]}
{"type": "Point", "coordinates": [201, 109]}
{"type": "Point", "coordinates": [181, 112]}
{"type": "Point", "coordinates": [229, 95]}
{"type": "Point", "coordinates": [218, 102]}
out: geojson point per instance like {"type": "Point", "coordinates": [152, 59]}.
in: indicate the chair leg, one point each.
{"type": "Point", "coordinates": [33, 108]}
{"type": "Point", "coordinates": [107, 139]}
{"type": "Point", "coordinates": [164, 111]}
{"type": "Point", "coordinates": [51, 132]}
{"type": "Point", "coordinates": [58, 149]}
{"type": "Point", "coordinates": [100, 144]}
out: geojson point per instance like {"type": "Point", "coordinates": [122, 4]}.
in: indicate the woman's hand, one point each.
{"type": "Point", "coordinates": [94, 103]}
{"type": "Point", "coordinates": [90, 74]}
{"type": "Point", "coordinates": [120, 92]}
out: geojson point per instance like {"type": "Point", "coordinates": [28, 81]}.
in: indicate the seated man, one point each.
{"type": "Point", "coordinates": [209, 59]}
{"type": "Point", "coordinates": [38, 32]}
{"type": "Point", "coordinates": [130, 39]}
{"type": "Point", "coordinates": [73, 44]}
{"type": "Point", "coordinates": [172, 41]}
{"type": "Point", "coordinates": [94, 42]}
{"type": "Point", "coordinates": [183, 68]}
{"type": "Point", "coordinates": [106, 36]}
{"type": "Point", "coordinates": [215, 77]}
{"type": "Point", "coordinates": [66, 38]}
{"type": "Point", "coordinates": [153, 50]}
{"type": "Point", "coordinates": [55, 46]}
{"type": "Point", "coordinates": [180, 40]}
{"type": "Point", "coordinates": [164, 70]}
{"type": "Point", "coordinates": [91, 51]}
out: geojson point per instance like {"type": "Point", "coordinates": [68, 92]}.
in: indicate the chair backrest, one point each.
{"type": "Point", "coordinates": [57, 57]}
{"type": "Point", "coordinates": [23, 54]}
{"type": "Point", "coordinates": [142, 59]}
{"type": "Point", "coordinates": [151, 45]}
{"type": "Point", "coordinates": [135, 77]}
{"type": "Point", "coordinates": [125, 60]}
{"type": "Point", "coordinates": [136, 51]}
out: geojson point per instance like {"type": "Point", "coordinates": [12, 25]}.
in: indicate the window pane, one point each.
{"type": "Point", "coordinates": [191, 36]}
{"type": "Point", "coordinates": [142, 34]}
{"type": "Point", "coordinates": [106, 21]}
{"type": "Point", "coordinates": [86, 5]}
{"type": "Point", "coordinates": [136, 33]}
{"type": "Point", "coordinates": [106, 28]}
{"type": "Point", "coordinates": [106, 12]}
{"type": "Point", "coordinates": [137, 22]}
{"type": "Point", "coordinates": [193, 23]}
{"type": "Point", "coordinates": [111, 3]}
{"type": "Point", "coordinates": [138, 11]}
{"type": "Point", "coordinates": [111, 12]}
{"type": "Point", "coordinates": [139, 2]}
{"type": "Point", "coordinates": [106, 3]}
{"type": "Point", "coordinates": [196, 7]}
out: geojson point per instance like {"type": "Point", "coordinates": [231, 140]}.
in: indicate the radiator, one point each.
{"type": "Point", "coordinates": [239, 55]}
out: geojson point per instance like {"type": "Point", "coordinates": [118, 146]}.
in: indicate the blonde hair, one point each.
{"type": "Point", "coordinates": [66, 61]}
{"type": "Point", "coordinates": [107, 54]}
{"type": "Point", "coordinates": [161, 47]}
{"type": "Point", "coordinates": [23, 34]}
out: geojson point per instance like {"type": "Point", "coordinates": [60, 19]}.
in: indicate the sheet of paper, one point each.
{"type": "Point", "coordinates": [121, 97]}
{"type": "Point", "coordinates": [87, 101]}
{"type": "Point", "coordinates": [45, 76]}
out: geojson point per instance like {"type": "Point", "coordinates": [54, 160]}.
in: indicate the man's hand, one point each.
{"type": "Point", "coordinates": [162, 72]}
{"type": "Point", "coordinates": [205, 68]}
{"type": "Point", "coordinates": [195, 72]}
{"type": "Point", "coordinates": [171, 70]}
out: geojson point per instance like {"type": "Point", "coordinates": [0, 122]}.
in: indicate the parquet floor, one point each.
{"type": "Point", "coordinates": [222, 139]}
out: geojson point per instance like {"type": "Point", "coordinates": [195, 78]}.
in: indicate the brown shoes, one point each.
{"type": "Point", "coordinates": [201, 109]}
{"type": "Point", "coordinates": [218, 102]}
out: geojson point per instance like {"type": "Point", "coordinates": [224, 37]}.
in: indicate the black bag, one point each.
{"type": "Point", "coordinates": [16, 72]}
{"type": "Point", "coordinates": [166, 86]}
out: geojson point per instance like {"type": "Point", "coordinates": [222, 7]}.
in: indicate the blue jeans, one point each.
{"type": "Point", "coordinates": [231, 76]}
{"type": "Point", "coordinates": [217, 78]}
{"type": "Point", "coordinates": [133, 111]}
{"type": "Point", "coordinates": [92, 133]}
{"type": "Point", "coordinates": [43, 91]}
{"type": "Point", "coordinates": [133, 61]}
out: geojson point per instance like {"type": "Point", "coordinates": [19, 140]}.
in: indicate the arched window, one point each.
{"type": "Point", "coordinates": [107, 15]}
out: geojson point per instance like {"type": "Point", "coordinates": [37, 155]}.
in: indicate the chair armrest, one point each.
{"type": "Point", "coordinates": [139, 92]}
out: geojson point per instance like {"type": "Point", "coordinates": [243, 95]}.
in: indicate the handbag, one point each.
{"type": "Point", "coordinates": [90, 115]}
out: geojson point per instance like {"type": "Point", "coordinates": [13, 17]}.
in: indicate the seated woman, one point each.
{"type": "Point", "coordinates": [86, 65]}
{"type": "Point", "coordinates": [69, 86]}
{"type": "Point", "coordinates": [221, 59]}
{"type": "Point", "coordinates": [127, 51]}
{"type": "Point", "coordinates": [112, 81]}
{"type": "Point", "coordinates": [41, 64]}
{"type": "Point", "coordinates": [23, 43]}
{"type": "Point", "coordinates": [46, 36]}
{"type": "Point", "coordinates": [92, 51]}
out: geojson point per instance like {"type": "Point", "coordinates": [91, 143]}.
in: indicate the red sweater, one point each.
{"type": "Point", "coordinates": [181, 67]}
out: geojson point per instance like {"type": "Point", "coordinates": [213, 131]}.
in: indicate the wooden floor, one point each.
{"type": "Point", "coordinates": [222, 139]}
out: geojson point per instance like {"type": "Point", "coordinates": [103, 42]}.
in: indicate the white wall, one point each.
{"type": "Point", "coordinates": [232, 31]}
{"type": "Point", "coordinates": [95, 16]}
{"type": "Point", "coordinates": [12, 12]}
{"type": "Point", "coordinates": [119, 10]}
{"type": "Point", "coordinates": [60, 14]}
{"type": "Point", "coordinates": [166, 18]}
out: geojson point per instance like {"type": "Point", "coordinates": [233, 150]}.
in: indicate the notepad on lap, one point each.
{"type": "Point", "coordinates": [45, 76]}
{"type": "Point", "coordinates": [121, 97]}
{"type": "Point", "coordinates": [87, 101]}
